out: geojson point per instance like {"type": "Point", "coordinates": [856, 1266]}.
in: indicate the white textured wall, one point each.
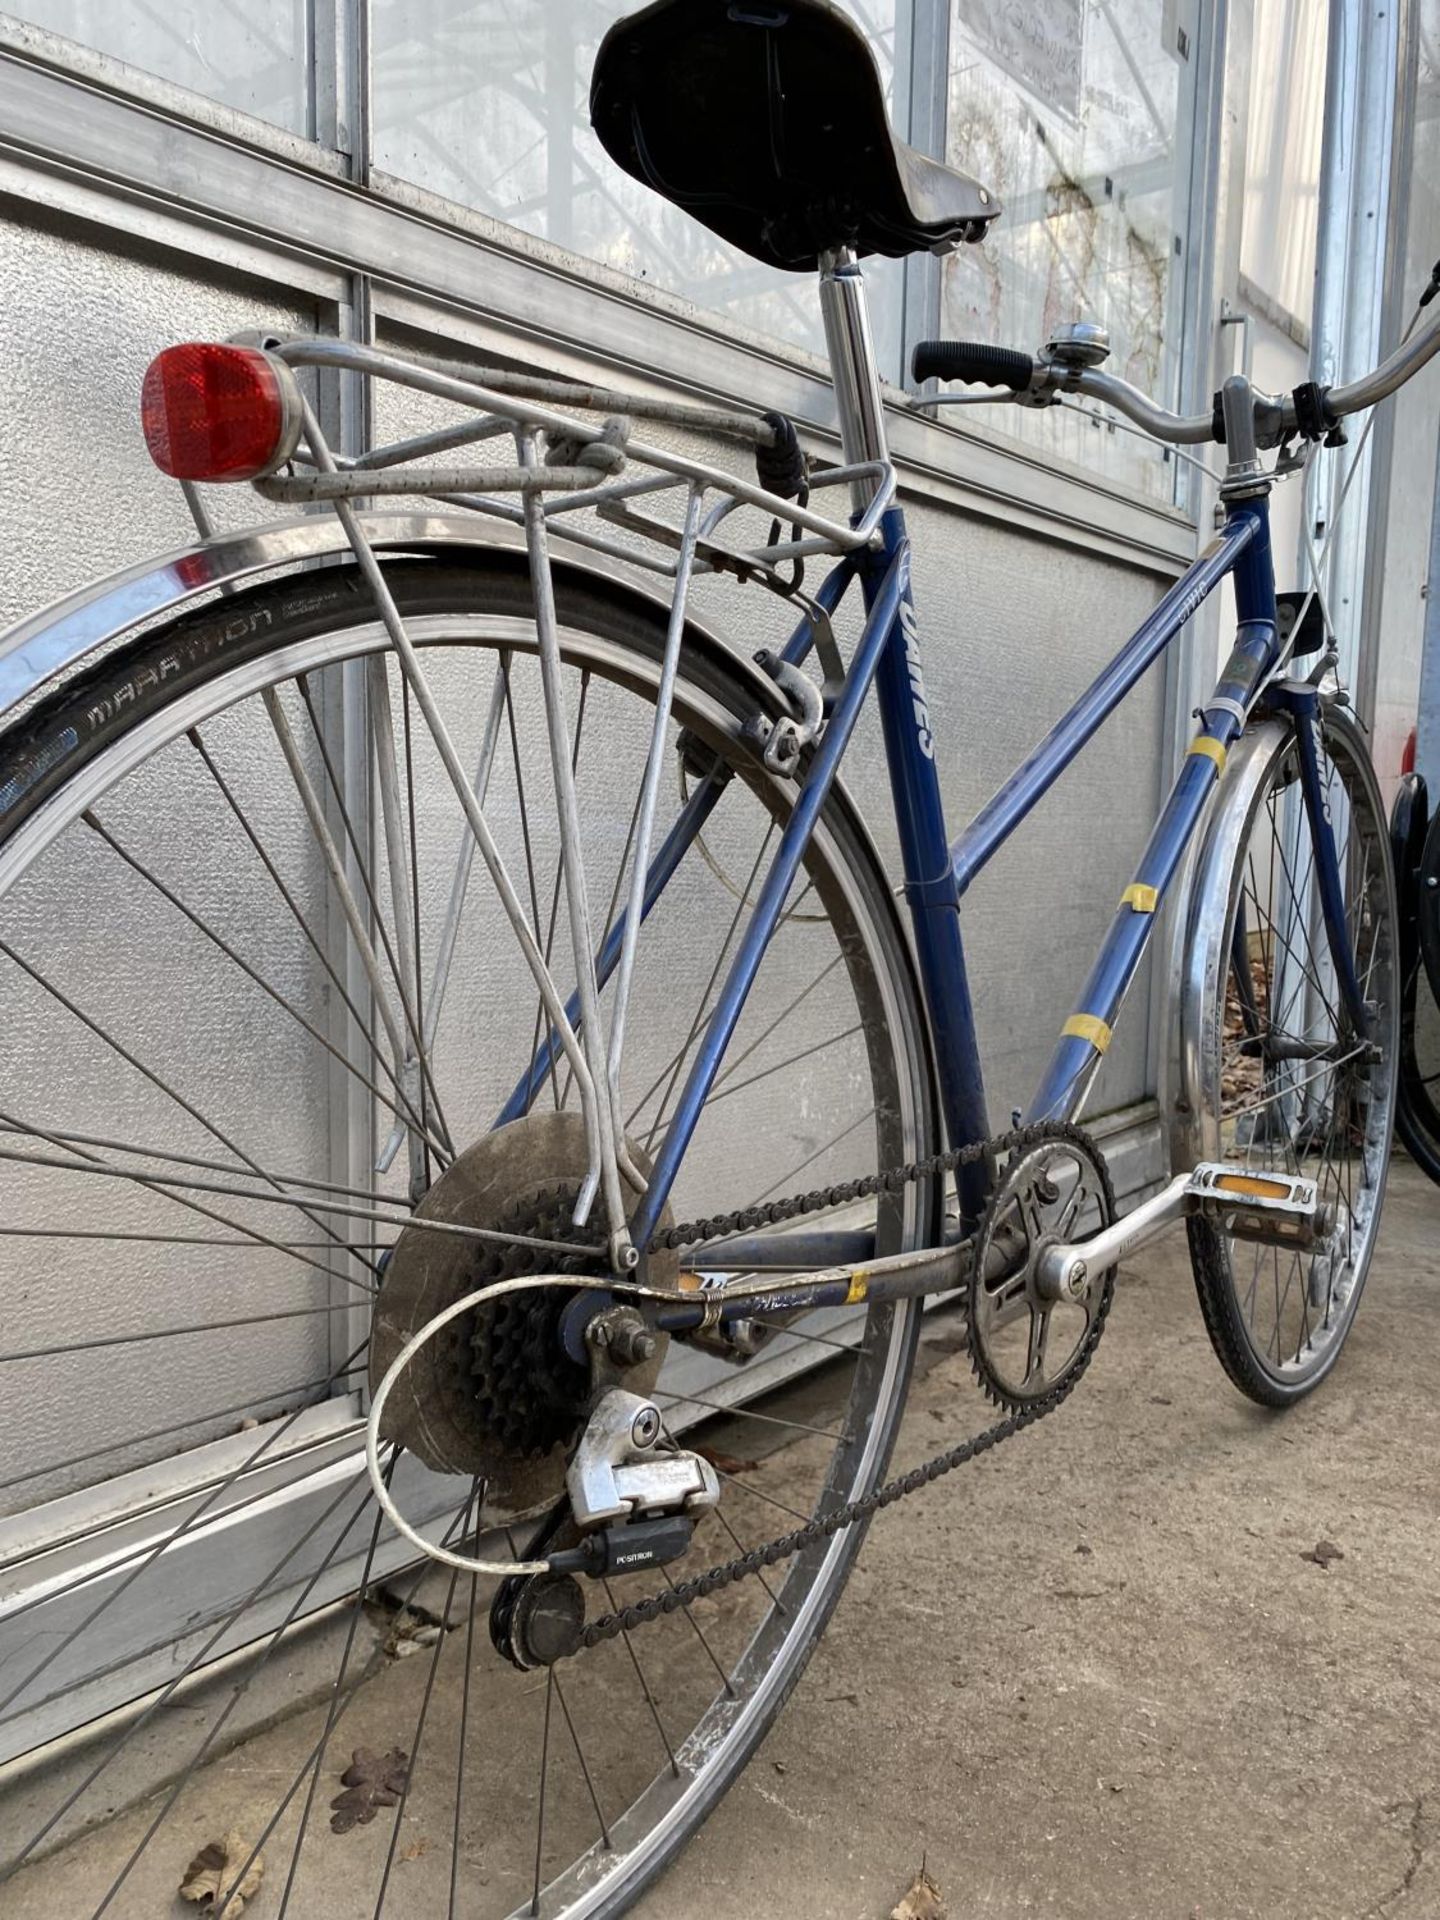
{"type": "Point", "coordinates": [1013, 629]}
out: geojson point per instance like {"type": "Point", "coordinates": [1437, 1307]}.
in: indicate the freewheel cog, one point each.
{"type": "Point", "coordinates": [494, 1395]}
{"type": "Point", "coordinates": [1027, 1343]}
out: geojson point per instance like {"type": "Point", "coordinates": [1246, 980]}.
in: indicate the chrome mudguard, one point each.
{"type": "Point", "coordinates": [1199, 953]}
{"type": "Point", "coordinates": [59, 636]}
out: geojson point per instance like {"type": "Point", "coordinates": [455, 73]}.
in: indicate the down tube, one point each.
{"type": "Point", "coordinates": [930, 885]}
{"type": "Point", "coordinates": [877, 640]}
{"type": "Point", "coordinates": [1087, 1033]}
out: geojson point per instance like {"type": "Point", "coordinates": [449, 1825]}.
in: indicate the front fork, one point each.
{"type": "Point", "coordinates": [1302, 703]}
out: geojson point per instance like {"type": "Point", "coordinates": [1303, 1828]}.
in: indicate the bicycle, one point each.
{"type": "Point", "coordinates": [573, 1178]}
{"type": "Point", "coordinates": [1415, 843]}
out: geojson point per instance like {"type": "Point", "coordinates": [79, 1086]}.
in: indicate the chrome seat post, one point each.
{"type": "Point", "coordinates": [852, 366]}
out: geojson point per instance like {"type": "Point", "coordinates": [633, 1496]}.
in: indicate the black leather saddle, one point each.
{"type": "Point", "coordinates": [765, 119]}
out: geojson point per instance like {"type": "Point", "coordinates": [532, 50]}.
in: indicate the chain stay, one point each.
{"type": "Point", "coordinates": [610, 1626]}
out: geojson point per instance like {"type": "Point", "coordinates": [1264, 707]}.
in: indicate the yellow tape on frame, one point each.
{"type": "Point", "coordinates": [1212, 750]}
{"type": "Point", "coordinates": [1088, 1026]}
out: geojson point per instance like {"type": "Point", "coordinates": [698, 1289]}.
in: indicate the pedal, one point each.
{"type": "Point", "coordinates": [616, 1473]}
{"type": "Point", "coordinates": [1277, 1209]}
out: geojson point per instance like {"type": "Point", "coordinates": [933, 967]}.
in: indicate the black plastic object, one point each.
{"type": "Point", "coordinates": [626, 1549]}
{"type": "Point", "coordinates": [544, 1621]}
{"type": "Point", "coordinates": [1315, 419]}
{"type": "Point", "coordinates": [1415, 843]}
{"type": "Point", "coordinates": [1297, 603]}
{"type": "Point", "coordinates": [781, 468]}
{"type": "Point", "coordinates": [973, 362]}
{"type": "Point", "coordinates": [767, 123]}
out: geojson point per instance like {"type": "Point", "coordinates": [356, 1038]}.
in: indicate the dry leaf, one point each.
{"type": "Point", "coordinates": [219, 1873]}
{"type": "Point", "coordinates": [922, 1900]}
{"type": "Point", "coordinates": [371, 1781]}
{"type": "Point", "coordinates": [409, 1632]}
{"type": "Point", "coordinates": [726, 1462]}
{"type": "Point", "coordinates": [1322, 1553]}
{"type": "Point", "coordinates": [415, 1849]}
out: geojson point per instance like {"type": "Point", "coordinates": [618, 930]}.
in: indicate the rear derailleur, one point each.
{"type": "Point", "coordinates": [629, 1503]}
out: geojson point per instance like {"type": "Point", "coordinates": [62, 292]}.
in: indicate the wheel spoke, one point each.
{"type": "Point", "coordinates": [340, 880]}
{"type": "Point", "coordinates": [361, 1023]}
{"type": "Point", "coordinates": [195, 1662]}
{"type": "Point", "coordinates": [279, 1198]}
{"type": "Point", "coordinates": [584, 1764]}
{"type": "Point", "coordinates": [308, 1389]}
{"type": "Point", "coordinates": [169, 1187]}
{"type": "Point", "coordinates": [147, 1073]}
{"type": "Point", "coordinates": [544, 1786]}
{"type": "Point", "coordinates": [238, 960]}
{"type": "Point", "coordinates": [480, 1492]}
{"type": "Point", "coordinates": [145, 1557]}
{"type": "Point", "coordinates": [417, 1738]}
{"type": "Point", "coordinates": [341, 1698]}
{"type": "Point", "coordinates": [750, 1413]}
{"type": "Point", "coordinates": [704, 1010]}
{"type": "Point", "coordinates": [645, 1688]}
{"type": "Point", "coordinates": [699, 1633]}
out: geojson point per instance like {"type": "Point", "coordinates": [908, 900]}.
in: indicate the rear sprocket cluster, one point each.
{"type": "Point", "coordinates": [494, 1394]}
{"type": "Point", "coordinates": [528, 1391]}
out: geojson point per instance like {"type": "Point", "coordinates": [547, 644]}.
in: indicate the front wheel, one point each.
{"type": "Point", "coordinates": [1272, 1076]}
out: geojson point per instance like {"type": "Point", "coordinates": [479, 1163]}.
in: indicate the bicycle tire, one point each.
{"type": "Point", "coordinates": [1415, 841]}
{"type": "Point", "coordinates": [66, 751]}
{"type": "Point", "coordinates": [1302, 1109]}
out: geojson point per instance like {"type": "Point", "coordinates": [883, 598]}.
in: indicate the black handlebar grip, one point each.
{"type": "Point", "coordinates": [974, 362]}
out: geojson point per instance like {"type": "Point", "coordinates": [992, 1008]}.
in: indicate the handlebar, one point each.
{"type": "Point", "coordinates": [974, 362]}
{"type": "Point", "coordinates": [1036, 380]}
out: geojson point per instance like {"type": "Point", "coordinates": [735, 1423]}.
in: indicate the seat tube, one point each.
{"type": "Point", "coordinates": [930, 888]}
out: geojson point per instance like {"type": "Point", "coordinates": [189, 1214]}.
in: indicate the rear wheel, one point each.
{"type": "Point", "coordinates": [198, 1079]}
{"type": "Point", "coordinates": [1274, 1076]}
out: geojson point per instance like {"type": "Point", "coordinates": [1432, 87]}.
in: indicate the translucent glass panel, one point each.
{"type": "Point", "coordinates": [1072, 111]}
{"type": "Point", "coordinates": [253, 55]}
{"type": "Point", "coordinates": [486, 103]}
{"type": "Point", "coordinates": [1282, 152]}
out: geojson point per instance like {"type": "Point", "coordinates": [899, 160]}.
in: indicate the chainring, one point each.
{"type": "Point", "coordinates": [1024, 1346]}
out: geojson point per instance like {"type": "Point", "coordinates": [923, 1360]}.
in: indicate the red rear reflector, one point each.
{"type": "Point", "coordinates": [212, 412]}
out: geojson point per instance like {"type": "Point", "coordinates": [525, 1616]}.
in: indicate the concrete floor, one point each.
{"type": "Point", "coordinates": [1091, 1677]}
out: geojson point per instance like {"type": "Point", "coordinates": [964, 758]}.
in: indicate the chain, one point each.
{"type": "Point", "coordinates": [772, 1212]}
{"type": "Point", "coordinates": [609, 1626]}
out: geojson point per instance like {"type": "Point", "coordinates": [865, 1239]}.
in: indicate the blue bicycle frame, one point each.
{"type": "Point", "coordinates": [937, 872]}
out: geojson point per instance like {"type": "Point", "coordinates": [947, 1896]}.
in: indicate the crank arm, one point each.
{"type": "Point", "coordinates": [1278, 1209]}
